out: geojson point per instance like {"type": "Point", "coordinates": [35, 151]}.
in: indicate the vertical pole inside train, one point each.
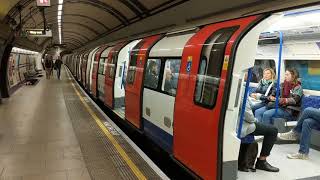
{"type": "Point", "coordinates": [278, 75]}
{"type": "Point", "coordinates": [245, 97]}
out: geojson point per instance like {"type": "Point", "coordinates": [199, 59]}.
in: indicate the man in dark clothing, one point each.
{"type": "Point", "coordinates": [48, 63]}
{"type": "Point", "coordinates": [58, 64]}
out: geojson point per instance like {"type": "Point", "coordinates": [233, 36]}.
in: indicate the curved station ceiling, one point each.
{"type": "Point", "coordinates": [80, 23]}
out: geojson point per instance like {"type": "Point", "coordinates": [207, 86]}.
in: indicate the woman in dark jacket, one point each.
{"type": "Point", "coordinates": [291, 93]}
{"type": "Point", "coordinates": [259, 98]}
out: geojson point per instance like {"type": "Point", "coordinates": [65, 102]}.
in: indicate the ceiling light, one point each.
{"type": "Point", "coordinates": [60, 7]}
{"type": "Point", "coordinates": [60, 1]}
{"type": "Point", "coordinates": [59, 13]}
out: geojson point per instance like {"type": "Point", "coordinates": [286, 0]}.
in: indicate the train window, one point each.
{"type": "Point", "coordinates": [259, 66]}
{"type": "Point", "coordinates": [309, 72]}
{"type": "Point", "coordinates": [120, 71]}
{"type": "Point", "coordinates": [212, 57]}
{"type": "Point", "coordinates": [170, 76]}
{"type": "Point", "coordinates": [202, 70]}
{"type": "Point", "coordinates": [151, 79]}
{"type": "Point", "coordinates": [101, 65]}
{"type": "Point", "coordinates": [133, 62]}
{"type": "Point", "coordinates": [111, 65]}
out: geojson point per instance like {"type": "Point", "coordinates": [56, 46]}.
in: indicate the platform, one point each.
{"type": "Point", "coordinates": [53, 131]}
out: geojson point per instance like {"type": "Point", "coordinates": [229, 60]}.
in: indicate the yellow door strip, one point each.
{"type": "Point", "coordinates": [123, 154]}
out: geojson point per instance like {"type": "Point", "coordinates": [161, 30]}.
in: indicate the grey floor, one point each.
{"type": "Point", "coordinates": [289, 169]}
{"type": "Point", "coordinates": [37, 140]}
{"type": "Point", "coordinates": [47, 134]}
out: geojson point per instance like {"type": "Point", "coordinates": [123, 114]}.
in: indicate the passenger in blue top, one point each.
{"type": "Point", "coordinates": [259, 98]}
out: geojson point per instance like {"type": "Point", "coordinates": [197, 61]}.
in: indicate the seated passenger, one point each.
{"type": "Point", "coordinates": [290, 95]}
{"type": "Point", "coordinates": [152, 75]}
{"type": "Point", "coordinates": [251, 126]}
{"type": "Point", "coordinates": [260, 97]}
{"type": "Point", "coordinates": [309, 119]}
{"type": "Point", "coordinates": [168, 85]}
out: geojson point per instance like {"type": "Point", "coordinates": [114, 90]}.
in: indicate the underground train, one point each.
{"type": "Point", "coordinates": [182, 88]}
{"type": "Point", "coordinates": [20, 62]}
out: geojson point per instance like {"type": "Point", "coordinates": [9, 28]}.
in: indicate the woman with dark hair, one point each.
{"type": "Point", "coordinates": [290, 95]}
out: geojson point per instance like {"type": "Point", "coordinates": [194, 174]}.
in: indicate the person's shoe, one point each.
{"type": "Point", "coordinates": [289, 136]}
{"type": "Point", "coordinates": [298, 156]}
{"type": "Point", "coordinates": [243, 169]}
{"type": "Point", "coordinates": [264, 165]}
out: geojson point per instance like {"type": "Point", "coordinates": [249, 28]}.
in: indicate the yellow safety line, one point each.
{"type": "Point", "coordinates": [123, 154]}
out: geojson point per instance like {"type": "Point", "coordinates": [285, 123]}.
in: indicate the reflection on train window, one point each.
{"type": "Point", "coordinates": [151, 78]}
{"type": "Point", "coordinates": [133, 62]}
{"type": "Point", "coordinates": [111, 66]}
{"type": "Point", "coordinates": [208, 78]}
{"type": "Point", "coordinates": [202, 70]}
{"type": "Point", "coordinates": [170, 76]}
{"type": "Point", "coordinates": [101, 66]}
{"type": "Point", "coordinates": [309, 72]}
{"type": "Point", "coordinates": [259, 66]}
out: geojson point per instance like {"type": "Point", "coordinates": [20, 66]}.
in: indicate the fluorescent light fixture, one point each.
{"type": "Point", "coordinates": [59, 17]}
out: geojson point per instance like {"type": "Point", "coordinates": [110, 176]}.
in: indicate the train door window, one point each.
{"type": "Point", "coordinates": [101, 65]}
{"type": "Point", "coordinates": [202, 70]}
{"type": "Point", "coordinates": [309, 72]}
{"type": "Point", "coordinates": [120, 71]}
{"type": "Point", "coordinates": [208, 78]}
{"type": "Point", "coordinates": [170, 76]}
{"type": "Point", "coordinates": [151, 79]}
{"type": "Point", "coordinates": [111, 65]}
{"type": "Point", "coordinates": [133, 62]}
{"type": "Point", "coordinates": [259, 66]}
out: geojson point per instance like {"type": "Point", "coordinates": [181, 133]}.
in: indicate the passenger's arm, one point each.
{"type": "Point", "coordinates": [295, 97]}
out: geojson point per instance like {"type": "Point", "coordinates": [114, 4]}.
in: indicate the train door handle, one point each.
{"type": "Point", "coordinates": [167, 122]}
{"type": "Point", "coordinates": [148, 111]}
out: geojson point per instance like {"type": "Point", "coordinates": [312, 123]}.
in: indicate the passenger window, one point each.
{"type": "Point", "coordinates": [111, 65]}
{"type": "Point", "coordinates": [133, 62]}
{"type": "Point", "coordinates": [101, 65]}
{"type": "Point", "coordinates": [208, 78]}
{"type": "Point", "coordinates": [170, 76]}
{"type": "Point", "coordinates": [151, 79]}
{"type": "Point", "coordinates": [309, 72]}
{"type": "Point", "coordinates": [202, 70]}
{"type": "Point", "coordinates": [259, 66]}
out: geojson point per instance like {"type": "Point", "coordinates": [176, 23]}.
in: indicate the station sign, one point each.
{"type": "Point", "coordinates": [38, 33]}
{"type": "Point", "coordinates": [43, 3]}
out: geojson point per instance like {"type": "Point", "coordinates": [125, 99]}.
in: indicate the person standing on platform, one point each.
{"type": "Point", "coordinates": [48, 65]}
{"type": "Point", "coordinates": [58, 64]}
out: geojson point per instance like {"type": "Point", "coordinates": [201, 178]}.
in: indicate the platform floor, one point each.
{"type": "Point", "coordinates": [48, 132]}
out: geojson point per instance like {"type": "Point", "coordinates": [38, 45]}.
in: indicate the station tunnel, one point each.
{"type": "Point", "coordinates": [159, 89]}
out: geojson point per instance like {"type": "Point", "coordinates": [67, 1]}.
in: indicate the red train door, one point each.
{"type": "Point", "coordinates": [84, 68]}
{"type": "Point", "coordinates": [110, 75]}
{"type": "Point", "coordinates": [201, 87]}
{"type": "Point", "coordinates": [134, 79]}
{"type": "Point", "coordinates": [95, 71]}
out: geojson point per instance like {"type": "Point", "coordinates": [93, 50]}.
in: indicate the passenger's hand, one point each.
{"type": "Point", "coordinates": [282, 101]}
{"type": "Point", "coordinates": [254, 95]}
{"type": "Point", "coordinates": [272, 98]}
